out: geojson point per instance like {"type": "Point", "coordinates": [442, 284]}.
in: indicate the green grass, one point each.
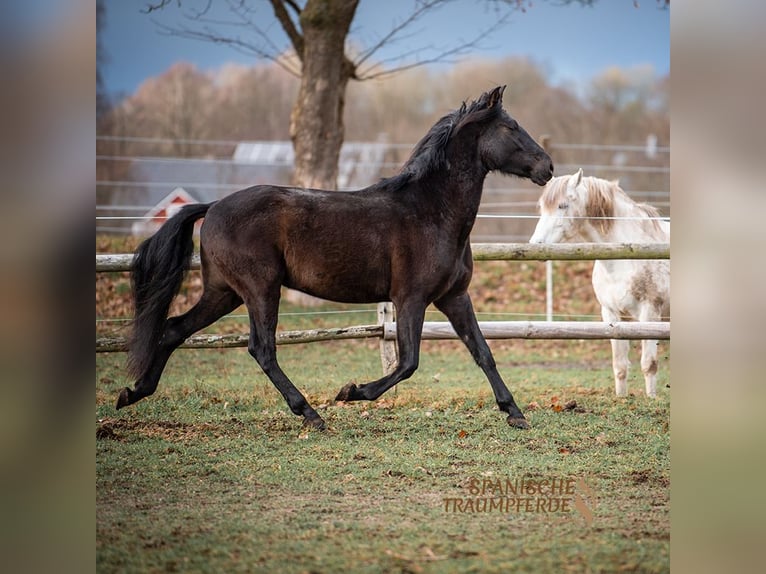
{"type": "Point", "coordinates": [214, 474]}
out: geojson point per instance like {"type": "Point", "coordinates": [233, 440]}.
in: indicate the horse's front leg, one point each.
{"type": "Point", "coordinates": [459, 311]}
{"type": "Point", "coordinates": [409, 329]}
{"type": "Point", "coordinates": [620, 349]}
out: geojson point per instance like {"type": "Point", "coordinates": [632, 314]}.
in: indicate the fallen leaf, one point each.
{"type": "Point", "coordinates": [533, 406]}
{"type": "Point", "coordinates": [462, 434]}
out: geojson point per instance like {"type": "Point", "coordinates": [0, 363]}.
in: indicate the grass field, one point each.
{"type": "Point", "coordinates": [214, 474]}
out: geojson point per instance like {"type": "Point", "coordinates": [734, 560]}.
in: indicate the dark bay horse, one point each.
{"type": "Point", "coordinates": [404, 239]}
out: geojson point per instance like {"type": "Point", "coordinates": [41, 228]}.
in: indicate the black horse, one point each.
{"type": "Point", "coordinates": [404, 239]}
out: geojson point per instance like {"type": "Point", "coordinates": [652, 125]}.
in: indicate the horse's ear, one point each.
{"type": "Point", "coordinates": [496, 97]}
{"type": "Point", "coordinates": [575, 180]}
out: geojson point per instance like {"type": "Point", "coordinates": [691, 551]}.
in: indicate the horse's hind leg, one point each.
{"type": "Point", "coordinates": [459, 311]}
{"type": "Point", "coordinates": [214, 304]}
{"type": "Point", "coordinates": [263, 313]}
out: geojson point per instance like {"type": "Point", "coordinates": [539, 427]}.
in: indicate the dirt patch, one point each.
{"type": "Point", "coordinates": [649, 478]}
{"type": "Point", "coordinates": [120, 430]}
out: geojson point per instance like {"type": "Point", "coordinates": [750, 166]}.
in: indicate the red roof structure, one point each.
{"type": "Point", "coordinates": [165, 209]}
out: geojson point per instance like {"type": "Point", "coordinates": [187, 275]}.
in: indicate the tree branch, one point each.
{"type": "Point", "coordinates": [389, 37]}
{"type": "Point", "coordinates": [151, 7]}
{"type": "Point", "coordinates": [296, 38]}
{"type": "Point", "coordinates": [242, 46]}
{"type": "Point", "coordinates": [297, 9]}
{"type": "Point", "coordinates": [444, 56]}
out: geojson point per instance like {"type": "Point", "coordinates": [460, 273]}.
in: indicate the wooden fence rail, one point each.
{"type": "Point", "coordinates": [432, 330]}
{"type": "Point", "coordinates": [489, 252]}
{"type": "Point", "coordinates": [385, 330]}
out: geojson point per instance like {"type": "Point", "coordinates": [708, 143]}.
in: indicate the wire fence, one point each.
{"type": "Point", "coordinates": [135, 173]}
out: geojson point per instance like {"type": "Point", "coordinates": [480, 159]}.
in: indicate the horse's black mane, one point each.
{"type": "Point", "coordinates": [430, 154]}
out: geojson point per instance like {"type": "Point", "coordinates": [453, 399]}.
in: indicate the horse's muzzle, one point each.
{"type": "Point", "coordinates": [542, 172]}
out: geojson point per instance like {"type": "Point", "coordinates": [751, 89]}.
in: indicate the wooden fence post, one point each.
{"type": "Point", "coordinates": [545, 143]}
{"type": "Point", "coordinates": [389, 352]}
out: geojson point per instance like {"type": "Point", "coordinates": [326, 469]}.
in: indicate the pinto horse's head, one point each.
{"type": "Point", "coordinates": [505, 146]}
{"type": "Point", "coordinates": [561, 208]}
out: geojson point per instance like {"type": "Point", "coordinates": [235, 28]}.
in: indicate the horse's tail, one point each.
{"type": "Point", "coordinates": [156, 274]}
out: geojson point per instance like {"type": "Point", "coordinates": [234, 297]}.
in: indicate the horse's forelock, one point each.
{"type": "Point", "coordinates": [554, 193]}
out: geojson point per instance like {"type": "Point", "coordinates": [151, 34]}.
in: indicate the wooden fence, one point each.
{"type": "Point", "coordinates": [490, 252]}
{"type": "Point", "coordinates": [385, 329]}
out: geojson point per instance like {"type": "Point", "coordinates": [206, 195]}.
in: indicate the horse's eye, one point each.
{"type": "Point", "coordinates": [563, 205]}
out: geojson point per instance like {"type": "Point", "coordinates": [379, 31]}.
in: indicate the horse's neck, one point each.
{"type": "Point", "coordinates": [459, 188]}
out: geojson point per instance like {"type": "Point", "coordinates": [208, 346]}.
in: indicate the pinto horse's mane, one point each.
{"type": "Point", "coordinates": [599, 202]}
{"type": "Point", "coordinates": [430, 154]}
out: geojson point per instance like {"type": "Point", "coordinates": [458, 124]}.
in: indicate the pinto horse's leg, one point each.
{"type": "Point", "coordinates": [409, 330]}
{"type": "Point", "coordinates": [649, 354]}
{"type": "Point", "coordinates": [263, 312]}
{"type": "Point", "coordinates": [620, 362]}
{"type": "Point", "coordinates": [649, 366]}
{"type": "Point", "coordinates": [459, 311]}
{"type": "Point", "coordinates": [214, 304]}
{"type": "Point", "coordinates": [620, 365]}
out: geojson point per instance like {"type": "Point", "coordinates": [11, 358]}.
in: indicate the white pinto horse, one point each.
{"type": "Point", "coordinates": [573, 209]}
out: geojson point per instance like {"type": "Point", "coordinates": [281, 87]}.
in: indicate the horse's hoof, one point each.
{"type": "Point", "coordinates": [518, 423]}
{"type": "Point", "coordinates": [124, 399]}
{"type": "Point", "coordinates": [314, 423]}
{"type": "Point", "coordinates": [347, 393]}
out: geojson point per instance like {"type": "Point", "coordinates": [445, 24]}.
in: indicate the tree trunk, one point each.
{"type": "Point", "coordinates": [316, 122]}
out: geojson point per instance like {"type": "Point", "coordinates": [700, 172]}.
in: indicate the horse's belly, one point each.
{"type": "Point", "coordinates": [627, 287]}
{"type": "Point", "coordinates": [345, 282]}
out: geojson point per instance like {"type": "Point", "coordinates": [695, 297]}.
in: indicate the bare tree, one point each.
{"type": "Point", "coordinates": [317, 31]}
